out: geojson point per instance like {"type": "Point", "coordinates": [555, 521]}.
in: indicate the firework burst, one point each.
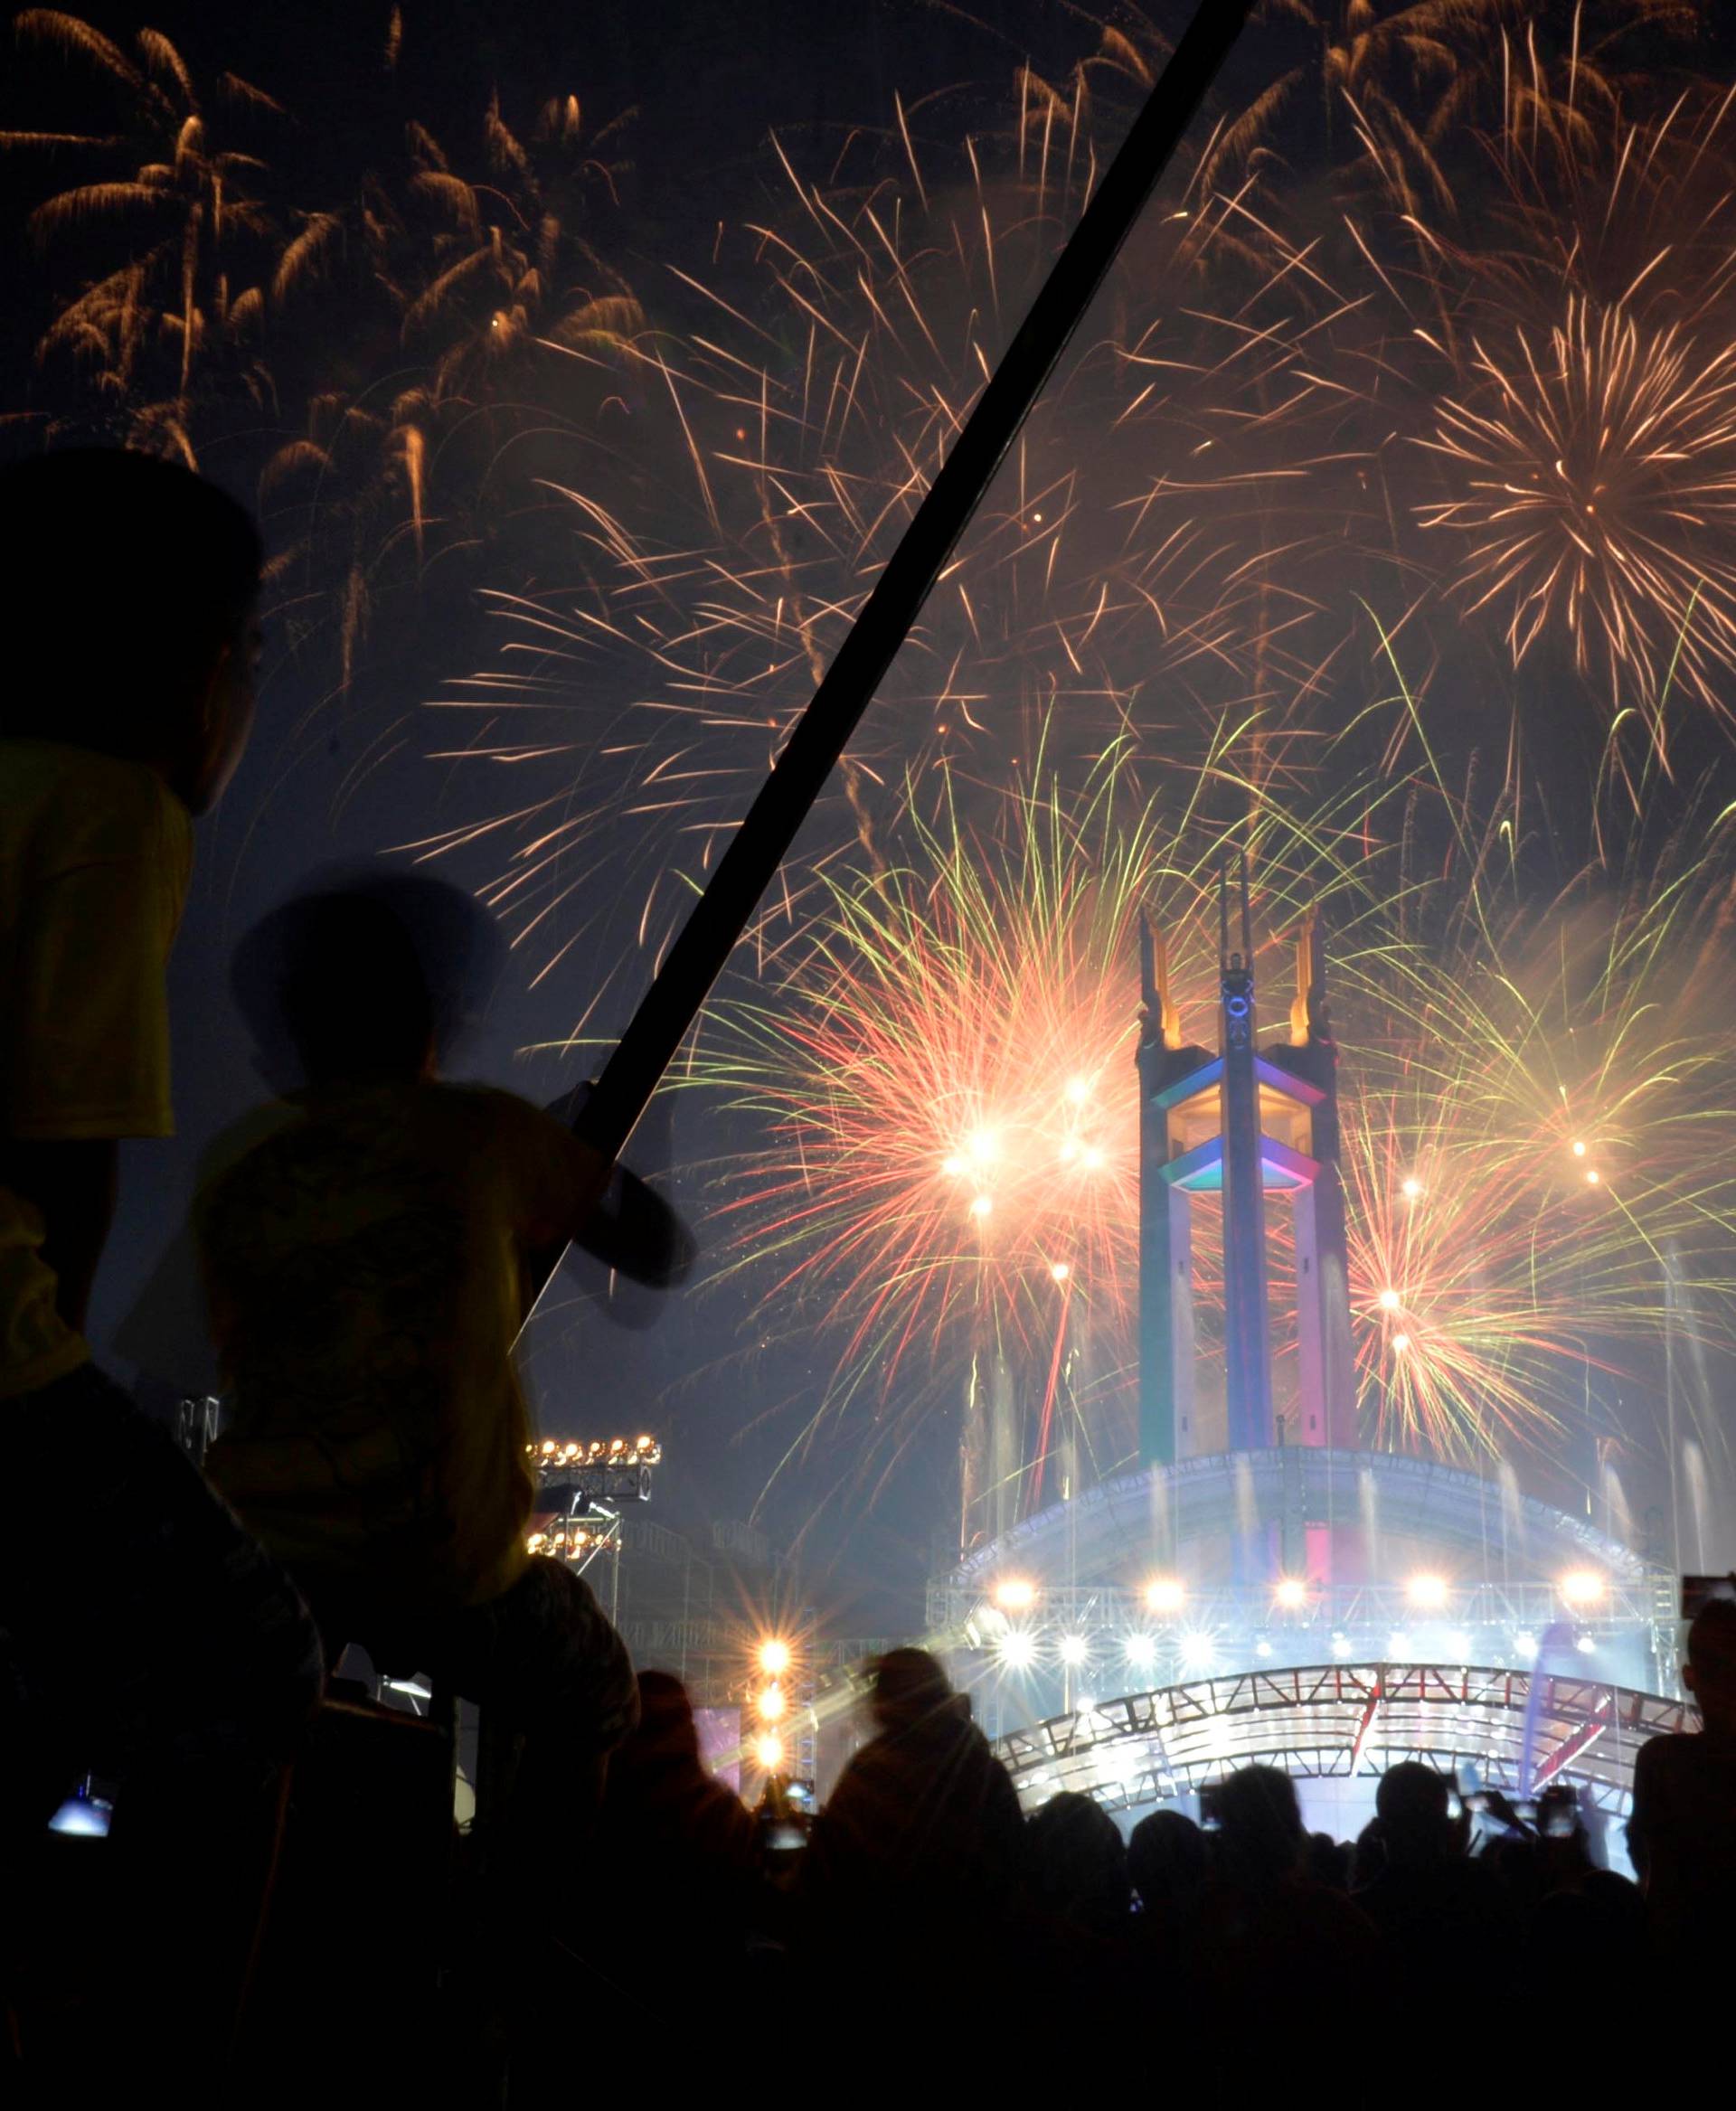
{"type": "Point", "coordinates": [941, 1068]}
{"type": "Point", "coordinates": [1597, 492]}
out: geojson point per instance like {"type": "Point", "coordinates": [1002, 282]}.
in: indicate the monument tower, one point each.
{"type": "Point", "coordinates": [1244, 1124]}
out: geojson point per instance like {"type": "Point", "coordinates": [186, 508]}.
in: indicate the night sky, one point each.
{"type": "Point", "coordinates": [335, 777]}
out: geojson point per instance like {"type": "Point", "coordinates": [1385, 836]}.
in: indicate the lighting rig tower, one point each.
{"type": "Point", "coordinates": [580, 1487]}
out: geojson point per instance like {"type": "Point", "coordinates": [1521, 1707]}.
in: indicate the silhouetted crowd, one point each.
{"type": "Point", "coordinates": [923, 1884]}
{"type": "Point", "coordinates": [361, 1255]}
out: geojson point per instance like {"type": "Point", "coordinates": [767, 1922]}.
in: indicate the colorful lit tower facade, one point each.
{"type": "Point", "coordinates": [1248, 1125]}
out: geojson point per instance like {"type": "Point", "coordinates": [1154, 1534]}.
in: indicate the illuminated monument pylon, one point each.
{"type": "Point", "coordinates": [1243, 1124]}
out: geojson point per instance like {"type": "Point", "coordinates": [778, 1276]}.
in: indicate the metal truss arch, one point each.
{"type": "Point", "coordinates": [1342, 1720]}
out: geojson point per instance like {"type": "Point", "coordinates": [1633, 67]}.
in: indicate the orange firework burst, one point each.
{"type": "Point", "coordinates": [944, 1069]}
{"type": "Point", "coordinates": [1595, 481]}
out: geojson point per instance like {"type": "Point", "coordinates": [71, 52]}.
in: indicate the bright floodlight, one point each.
{"type": "Point", "coordinates": [1388, 1301]}
{"type": "Point", "coordinates": [982, 1145]}
{"type": "Point", "coordinates": [1139, 1648]}
{"type": "Point", "coordinates": [1581, 1587]}
{"type": "Point", "coordinates": [981, 1205]}
{"type": "Point", "coordinates": [1588, 1642]}
{"type": "Point", "coordinates": [1525, 1647]}
{"type": "Point", "coordinates": [1018, 1651]}
{"type": "Point", "coordinates": [1015, 1594]}
{"type": "Point", "coordinates": [771, 1704]}
{"type": "Point", "coordinates": [1579, 1149]}
{"type": "Point", "coordinates": [774, 1657]}
{"type": "Point", "coordinates": [1164, 1594]}
{"type": "Point", "coordinates": [1427, 1590]}
{"type": "Point", "coordinates": [1593, 1177]}
{"type": "Point", "coordinates": [1262, 1647]}
{"type": "Point", "coordinates": [769, 1752]}
{"type": "Point", "coordinates": [1198, 1649]}
{"type": "Point", "coordinates": [1072, 1649]}
{"type": "Point", "coordinates": [1290, 1591]}
{"type": "Point", "coordinates": [1079, 1091]}
{"type": "Point", "coordinates": [1341, 1645]}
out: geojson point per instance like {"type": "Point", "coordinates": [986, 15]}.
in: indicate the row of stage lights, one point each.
{"type": "Point", "coordinates": [613, 1451]}
{"type": "Point", "coordinates": [1166, 1595]}
{"type": "Point", "coordinates": [569, 1541]}
{"type": "Point", "coordinates": [774, 1661]}
{"type": "Point", "coordinates": [1019, 1650]}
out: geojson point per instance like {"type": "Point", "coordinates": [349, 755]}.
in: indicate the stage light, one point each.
{"type": "Point", "coordinates": [1388, 1301]}
{"type": "Point", "coordinates": [769, 1705]}
{"type": "Point", "coordinates": [1073, 1650]}
{"type": "Point", "coordinates": [1139, 1648]}
{"type": "Point", "coordinates": [1290, 1591]}
{"type": "Point", "coordinates": [1164, 1594]}
{"type": "Point", "coordinates": [769, 1752]}
{"type": "Point", "coordinates": [1262, 1647]}
{"type": "Point", "coordinates": [774, 1657]}
{"type": "Point", "coordinates": [1016, 1650]}
{"type": "Point", "coordinates": [1525, 1647]}
{"type": "Point", "coordinates": [1341, 1645]}
{"type": "Point", "coordinates": [1198, 1649]}
{"type": "Point", "coordinates": [1581, 1587]}
{"type": "Point", "coordinates": [1587, 1643]}
{"type": "Point", "coordinates": [1013, 1594]}
{"type": "Point", "coordinates": [1427, 1590]}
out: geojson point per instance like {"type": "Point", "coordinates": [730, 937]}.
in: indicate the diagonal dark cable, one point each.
{"type": "Point", "coordinates": [723, 912]}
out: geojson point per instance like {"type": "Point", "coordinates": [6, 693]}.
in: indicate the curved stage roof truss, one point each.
{"type": "Point", "coordinates": [1340, 1720]}
{"type": "Point", "coordinates": [1415, 1498]}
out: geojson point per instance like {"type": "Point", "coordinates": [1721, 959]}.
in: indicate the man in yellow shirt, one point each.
{"type": "Point", "coordinates": [144, 1634]}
